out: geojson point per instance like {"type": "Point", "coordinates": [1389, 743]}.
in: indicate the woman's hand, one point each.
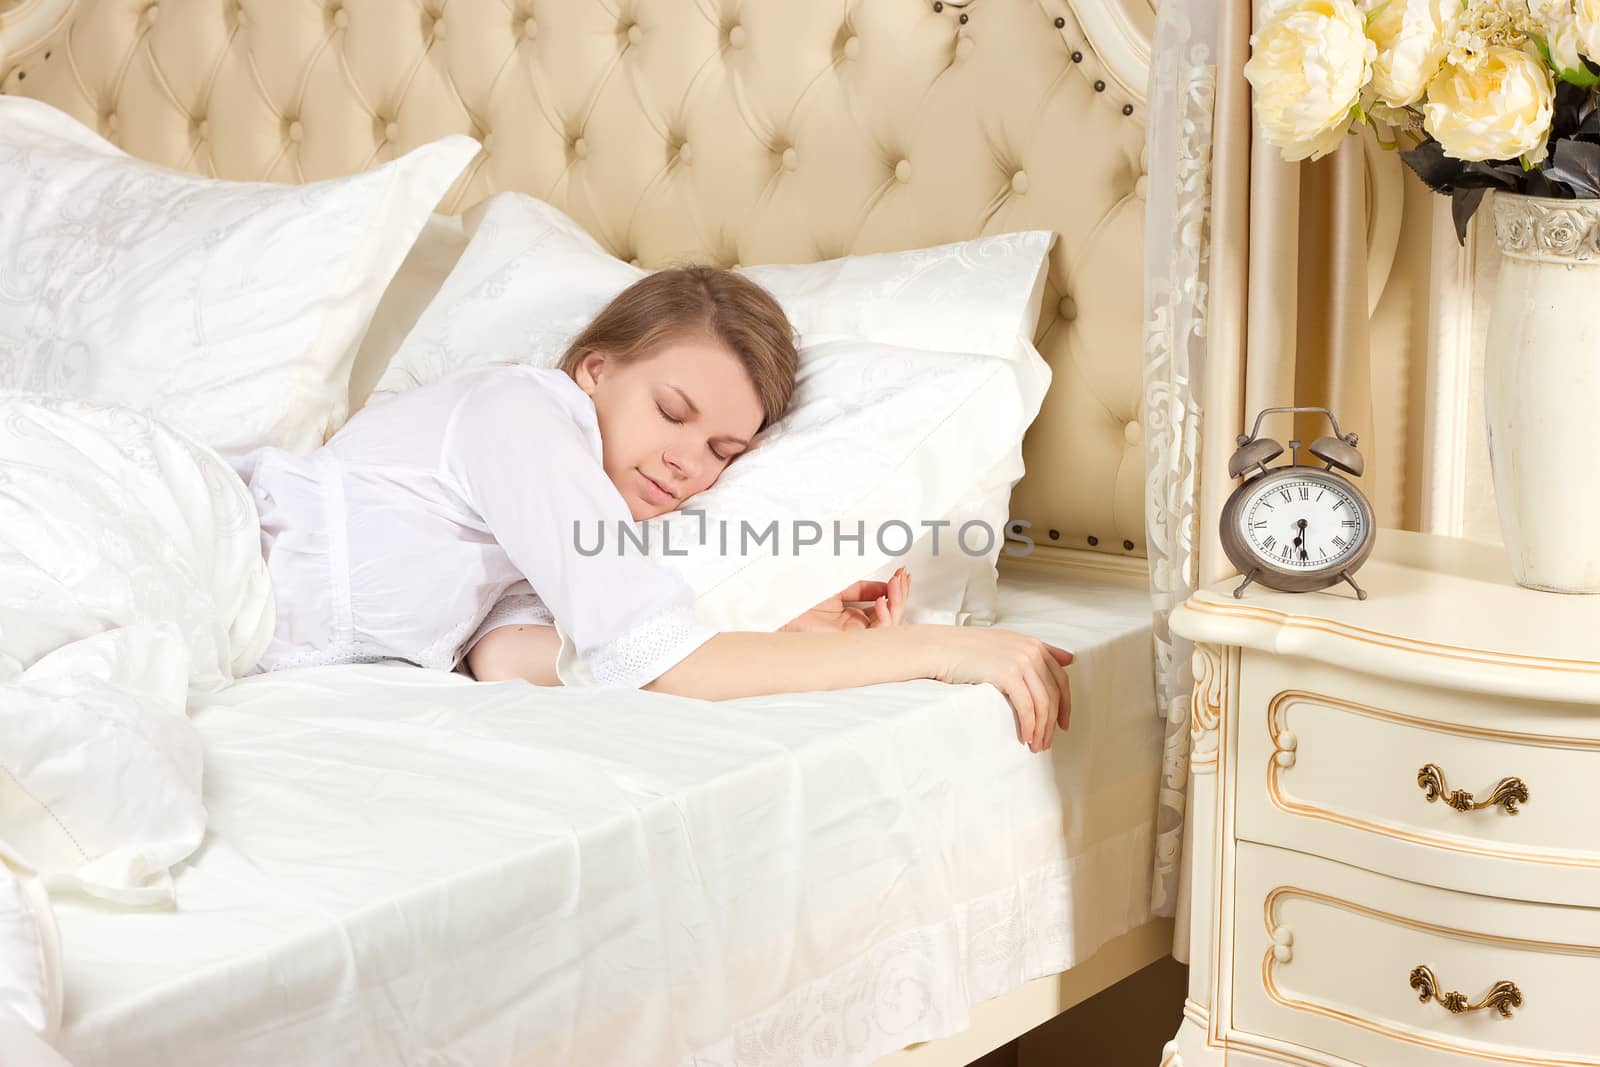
{"type": "Point", "coordinates": [887, 601]}
{"type": "Point", "coordinates": [1031, 673]}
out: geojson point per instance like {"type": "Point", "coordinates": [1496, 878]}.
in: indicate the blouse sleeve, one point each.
{"type": "Point", "coordinates": [524, 463]}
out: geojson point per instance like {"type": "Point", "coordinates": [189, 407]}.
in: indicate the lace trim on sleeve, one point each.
{"type": "Point", "coordinates": [646, 651]}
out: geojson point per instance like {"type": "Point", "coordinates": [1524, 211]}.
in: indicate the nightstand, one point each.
{"type": "Point", "coordinates": [1395, 817]}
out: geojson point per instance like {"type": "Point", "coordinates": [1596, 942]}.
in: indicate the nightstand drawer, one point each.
{"type": "Point", "coordinates": [1336, 958]}
{"type": "Point", "coordinates": [1341, 764]}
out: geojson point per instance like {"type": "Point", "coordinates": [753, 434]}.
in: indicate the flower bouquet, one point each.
{"type": "Point", "coordinates": [1475, 94]}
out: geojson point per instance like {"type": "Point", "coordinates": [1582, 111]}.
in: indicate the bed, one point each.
{"type": "Point", "coordinates": [687, 879]}
{"type": "Point", "coordinates": [417, 869]}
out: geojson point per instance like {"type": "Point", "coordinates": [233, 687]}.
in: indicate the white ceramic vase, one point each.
{"type": "Point", "coordinates": [1541, 390]}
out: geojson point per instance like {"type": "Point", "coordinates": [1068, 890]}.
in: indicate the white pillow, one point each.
{"type": "Point", "coordinates": [531, 278]}
{"type": "Point", "coordinates": [410, 291]}
{"type": "Point", "coordinates": [975, 296]}
{"type": "Point", "coordinates": [231, 309]}
{"type": "Point", "coordinates": [876, 436]}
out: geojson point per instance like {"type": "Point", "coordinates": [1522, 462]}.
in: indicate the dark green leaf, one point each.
{"type": "Point", "coordinates": [1438, 171]}
{"type": "Point", "coordinates": [1484, 175]}
{"type": "Point", "coordinates": [1463, 203]}
{"type": "Point", "coordinates": [1577, 163]}
{"type": "Point", "coordinates": [1573, 107]}
{"type": "Point", "coordinates": [1537, 183]}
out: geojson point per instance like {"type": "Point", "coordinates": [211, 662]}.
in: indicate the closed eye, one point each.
{"type": "Point", "coordinates": [679, 422]}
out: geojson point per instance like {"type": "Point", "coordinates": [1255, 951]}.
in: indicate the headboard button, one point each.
{"type": "Point", "coordinates": [1139, 186]}
{"type": "Point", "coordinates": [737, 37]}
{"type": "Point", "coordinates": [580, 148]}
{"type": "Point", "coordinates": [685, 154]}
{"type": "Point", "coordinates": [791, 159]}
{"type": "Point", "coordinates": [635, 34]}
{"type": "Point", "coordinates": [438, 29]}
{"type": "Point", "coordinates": [1068, 308]}
{"type": "Point", "coordinates": [296, 132]}
{"type": "Point", "coordinates": [391, 131]}
{"type": "Point", "coordinates": [1019, 183]}
{"type": "Point", "coordinates": [1133, 432]}
{"type": "Point", "coordinates": [963, 47]}
{"type": "Point", "coordinates": [202, 129]}
{"type": "Point", "coordinates": [152, 13]}
{"type": "Point", "coordinates": [902, 171]}
{"type": "Point", "coordinates": [530, 29]}
{"type": "Point", "coordinates": [852, 47]}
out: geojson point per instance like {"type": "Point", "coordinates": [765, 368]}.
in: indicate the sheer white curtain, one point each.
{"type": "Point", "coordinates": [1182, 93]}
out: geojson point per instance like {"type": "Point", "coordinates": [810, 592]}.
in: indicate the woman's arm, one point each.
{"type": "Point", "coordinates": [1029, 672]}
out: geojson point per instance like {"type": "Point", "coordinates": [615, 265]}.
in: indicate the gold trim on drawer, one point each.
{"type": "Point", "coordinates": [1404, 644]}
{"type": "Point", "coordinates": [1271, 958]}
{"type": "Point", "coordinates": [1283, 757]}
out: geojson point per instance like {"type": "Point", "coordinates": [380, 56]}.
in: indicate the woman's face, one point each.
{"type": "Point", "coordinates": [670, 423]}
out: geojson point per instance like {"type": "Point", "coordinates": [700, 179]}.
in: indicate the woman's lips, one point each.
{"type": "Point", "coordinates": [655, 489]}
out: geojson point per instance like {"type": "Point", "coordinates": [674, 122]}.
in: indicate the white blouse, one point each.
{"type": "Point", "coordinates": [433, 518]}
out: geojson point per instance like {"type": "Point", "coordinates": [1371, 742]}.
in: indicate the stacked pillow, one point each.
{"type": "Point", "coordinates": [236, 310]}
{"type": "Point", "coordinates": [230, 309]}
{"type": "Point", "coordinates": [917, 381]}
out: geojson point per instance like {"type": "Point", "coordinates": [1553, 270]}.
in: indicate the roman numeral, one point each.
{"type": "Point", "coordinates": [1286, 496]}
{"type": "Point", "coordinates": [1320, 492]}
{"type": "Point", "coordinates": [1322, 552]}
{"type": "Point", "coordinates": [1340, 504]}
{"type": "Point", "coordinates": [1305, 492]}
{"type": "Point", "coordinates": [1257, 525]}
{"type": "Point", "coordinates": [1269, 543]}
{"type": "Point", "coordinates": [1348, 522]}
{"type": "Point", "coordinates": [1341, 542]}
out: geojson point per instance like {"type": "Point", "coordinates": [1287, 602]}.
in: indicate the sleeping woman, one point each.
{"type": "Point", "coordinates": [435, 527]}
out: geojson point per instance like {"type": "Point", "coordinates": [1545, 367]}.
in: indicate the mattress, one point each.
{"type": "Point", "coordinates": [408, 867]}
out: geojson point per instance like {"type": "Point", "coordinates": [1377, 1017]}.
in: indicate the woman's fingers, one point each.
{"type": "Point", "coordinates": [864, 592]}
{"type": "Point", "coordinates": [1064, 712]}
{"type": "Point", "coordinates": [1042, 687]}
{"type": "Point", "coordinates": [1061, 655]}
{"type": "Point", "coordinates": [1017, 692]}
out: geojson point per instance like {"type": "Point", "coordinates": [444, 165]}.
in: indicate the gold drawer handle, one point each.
{"type": "Point", "coordinates": [1502, 998]}
{"type": "Point", "coordinates": [1508, 794]}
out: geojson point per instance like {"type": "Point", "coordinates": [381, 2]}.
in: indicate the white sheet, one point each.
{"type": "Point", "coordinates": [406, 867]}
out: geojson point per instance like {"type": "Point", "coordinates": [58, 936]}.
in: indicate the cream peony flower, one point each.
{"type": "Point", "coordinates": [1586, 22]}
{"type": "Point", "coordinates": [1556, 21]}
{"type": "Point", "coordinates": [1495, 107]}
{"type": "Point", "coordinates": [1410, 38]}
{"type": "Point", "coordinates": [1308, 65]}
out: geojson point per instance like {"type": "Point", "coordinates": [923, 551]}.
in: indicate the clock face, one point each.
{"type": "Point", "coordinates": [1302, 521]}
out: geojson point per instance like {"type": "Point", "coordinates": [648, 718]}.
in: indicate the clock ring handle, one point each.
{"type": "Point", "coordinates": [1255, 431]}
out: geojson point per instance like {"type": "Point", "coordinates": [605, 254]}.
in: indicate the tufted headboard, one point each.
{"type": "Point", "coordinates": [723, 131]}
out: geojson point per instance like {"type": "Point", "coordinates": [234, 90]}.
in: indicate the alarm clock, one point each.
{"type": "Point", "coordinates": [1297, 527]}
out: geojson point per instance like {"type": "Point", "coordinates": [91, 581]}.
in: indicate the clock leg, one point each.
{"type": "Point", "coordinates": [1361, 594]}
{"type": "Point", "coordinates": [1238, 593]}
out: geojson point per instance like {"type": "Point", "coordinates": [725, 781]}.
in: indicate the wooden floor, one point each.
{"type": "Point", "coordinates": [1124, 1026]}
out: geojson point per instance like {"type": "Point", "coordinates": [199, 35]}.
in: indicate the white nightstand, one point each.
{"type": "Point", "coordinates": [1355, 769]}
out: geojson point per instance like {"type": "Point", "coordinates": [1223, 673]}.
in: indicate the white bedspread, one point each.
{"type": "Point", "coordinates": [406, 867]}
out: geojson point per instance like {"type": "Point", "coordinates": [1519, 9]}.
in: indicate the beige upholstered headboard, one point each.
{"type": "Point", "coordinates": [726, 131]}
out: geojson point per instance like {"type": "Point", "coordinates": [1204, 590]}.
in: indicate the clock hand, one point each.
{"type": "Point", "coordinates": [1300, 542]}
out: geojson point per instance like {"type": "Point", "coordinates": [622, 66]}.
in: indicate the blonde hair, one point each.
{"type": "Point", "coordinates": [703, 301]}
